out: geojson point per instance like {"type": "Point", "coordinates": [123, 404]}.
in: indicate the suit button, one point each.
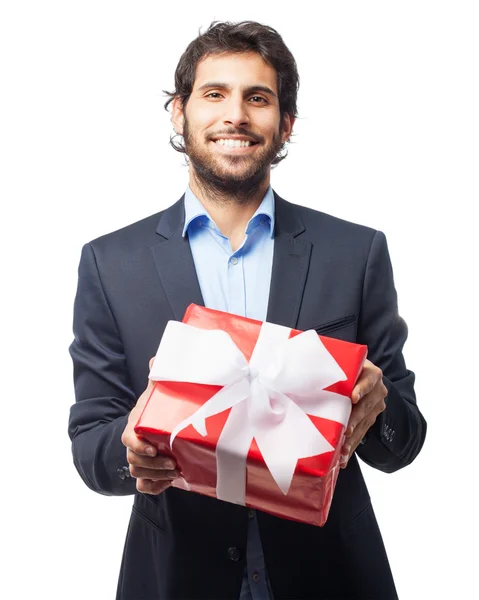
{"type": "Point", "coordinates": [121, 473]}
{"type": "Point", "coordinates": [126, 470]}
{"type": "Point", "coordinates": [251, 513]}
{"type": "Point", "coordinates": [234, 554]}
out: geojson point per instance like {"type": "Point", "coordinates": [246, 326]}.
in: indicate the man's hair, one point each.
{"type": "Point", "coordinates": [236, 38]}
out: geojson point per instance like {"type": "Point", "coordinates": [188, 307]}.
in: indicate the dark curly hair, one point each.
{"type": "Point", "coordinates": [246, 36]}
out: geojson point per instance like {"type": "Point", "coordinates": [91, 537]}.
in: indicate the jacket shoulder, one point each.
{"type": "Point", "coordinates": [136, 234]}
{"type": "Point", "coordinates": [143, 233]}
{"type": "Point", "coordinates": [318, 222]}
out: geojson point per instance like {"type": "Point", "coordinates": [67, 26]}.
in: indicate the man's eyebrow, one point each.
{"type": "Point", "coordinates": [247, 90]}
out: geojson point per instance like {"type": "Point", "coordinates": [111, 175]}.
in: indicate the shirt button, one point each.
{"type": "Point", "coordinates": [251, 513]}
{"type": "Point", "coordinates": [234, 260]}
{"type": "Point", "coordinates": [256, 577]}
{"type": "Point", "coordinates": [234, 554]}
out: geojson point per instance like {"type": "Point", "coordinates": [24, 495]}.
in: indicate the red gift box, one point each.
{"type": "Point", "coordinates": [175, 403]}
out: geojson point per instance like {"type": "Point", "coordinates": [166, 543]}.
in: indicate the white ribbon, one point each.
{"type": "Point", "coordinates": [270, 398]}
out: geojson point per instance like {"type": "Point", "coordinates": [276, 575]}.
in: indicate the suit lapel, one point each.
{"type": "Point", "coordinates": [290, 266]}
{"type": "Point", "coordinates": [176, 268]}
{"type": "Point", "coordinates": [174, 262]}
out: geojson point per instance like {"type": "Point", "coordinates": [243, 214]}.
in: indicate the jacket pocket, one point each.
{"type": "Point", "coordinates": [335, 325]}
{"type": "Point", "coordinates": [363, 512]}
{"type": "Point", "coordinates": [139, 513]}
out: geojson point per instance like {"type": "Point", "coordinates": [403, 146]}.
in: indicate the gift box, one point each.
{"type": "Point", "coordinates": [253, 413]}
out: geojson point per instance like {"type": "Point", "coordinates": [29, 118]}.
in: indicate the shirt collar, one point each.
{"type": "Point", "coordinates": [195, 210]}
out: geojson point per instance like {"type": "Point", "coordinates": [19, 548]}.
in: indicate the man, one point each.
{"type": "Point", "coordinates": [233, 244]}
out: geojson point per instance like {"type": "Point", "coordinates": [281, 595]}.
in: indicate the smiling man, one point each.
{"type": "Point", "coordinates": [233, 244]}
{"type": "Point", "coordinates": [232, 153]}
{"type": "Point", "coordinates": [233, 128]}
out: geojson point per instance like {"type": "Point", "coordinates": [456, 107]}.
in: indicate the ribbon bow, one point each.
{"type": "Point", "coordinates": [270, 397]}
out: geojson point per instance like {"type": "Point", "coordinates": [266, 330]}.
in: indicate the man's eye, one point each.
{"type": "Point", "coordinates": [258, 99]}
{"type": "Point", "coordinates": [213, 95]}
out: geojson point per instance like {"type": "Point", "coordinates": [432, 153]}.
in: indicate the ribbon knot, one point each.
{"type": "Point", "coordinates": [270, 398]}
{"type": "Point", "coordinates": [252, 373]}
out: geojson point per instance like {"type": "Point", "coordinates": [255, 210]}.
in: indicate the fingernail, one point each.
{"type": "Point", "coordinates": [344, 460]}
{"type": "Point", "coordinates": [150, 451]}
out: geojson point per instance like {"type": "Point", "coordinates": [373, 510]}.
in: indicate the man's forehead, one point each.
{"type": "Point", "coordinates": [246, 69]}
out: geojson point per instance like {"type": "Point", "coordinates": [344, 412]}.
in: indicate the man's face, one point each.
{"type": "Point", "coordinates": [231, 122]}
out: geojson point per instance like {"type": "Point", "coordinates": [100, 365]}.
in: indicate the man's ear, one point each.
{"type": "Point", "coordinates": [287, 127]}
{"type": "Point", "coordinates": [177, 115]}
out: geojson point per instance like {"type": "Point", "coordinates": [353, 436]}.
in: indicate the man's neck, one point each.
{"type": "Point", "coordinates": [230, 215]}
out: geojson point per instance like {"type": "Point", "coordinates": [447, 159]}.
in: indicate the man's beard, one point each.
{"type": "Point", "coordinates": [225, 184]}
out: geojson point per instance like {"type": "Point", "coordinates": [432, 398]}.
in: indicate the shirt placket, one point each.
{"type": "Point", "coordinates": [236, 285]}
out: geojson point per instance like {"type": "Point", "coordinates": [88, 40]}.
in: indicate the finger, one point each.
{"type": "Point", "coordinates": [358, 413]}
{"type": "Point", "coordinates": [365, 384]}
{"type": "Point", "coordinates": [149, 486]}
{"type": "Point", "coordinates": [344, 458]}
{"type": "Point", "coordinates": [159, 462]}
{"type": "Point", "coordinates": [350, 444]}
{"type": "Point", "coordinates": [142, 472]}
{"type": "Point", "coordinates": [136, 444]}
{"type": "Point", "coordinates": [371, 405]}
{"type": "Point", "coordinates": [370, 376]}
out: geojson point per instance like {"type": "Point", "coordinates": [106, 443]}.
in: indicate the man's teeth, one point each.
{"type": "Point", "coordinates": [234, 143]}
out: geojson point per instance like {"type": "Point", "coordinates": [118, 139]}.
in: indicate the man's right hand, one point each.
{"type": "Point", "coordinates": [154, 473]}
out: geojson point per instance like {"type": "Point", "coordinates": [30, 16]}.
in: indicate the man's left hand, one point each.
{"type": "Point", "coordinates": [368, 402]}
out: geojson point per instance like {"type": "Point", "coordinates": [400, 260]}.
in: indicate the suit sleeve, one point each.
{"type": "Point", "coordinates": [397, 437]}
{"type": "Point", "coordinates": [103, 392]}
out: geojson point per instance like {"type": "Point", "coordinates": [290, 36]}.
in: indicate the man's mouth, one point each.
{"type": "Point", "coordinates": [234, 144]}
{"type": "Point", "coordinates": [230, 143]}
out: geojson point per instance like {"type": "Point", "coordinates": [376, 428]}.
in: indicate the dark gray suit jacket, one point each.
{"type": "Point", "coordinates": [329, 275]}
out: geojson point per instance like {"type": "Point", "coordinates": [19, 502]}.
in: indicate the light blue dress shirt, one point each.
{"type": "Point", "coordinates": [236, 282]}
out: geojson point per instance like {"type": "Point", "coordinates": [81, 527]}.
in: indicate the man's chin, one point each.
{"type": "Point", "coordinates": [231, 181]}
{"type": "Point", "coordinates": [234, 161]}
{"type": "Point", "coordinates": [227, 173]}
{"type": "Point", "coordinates": [235, 169]}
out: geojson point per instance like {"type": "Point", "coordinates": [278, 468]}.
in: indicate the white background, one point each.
{"type": "Point", "coordinates": [388, 137]}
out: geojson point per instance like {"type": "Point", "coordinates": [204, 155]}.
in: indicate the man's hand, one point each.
{"type": "Point", "coordinates": [154, 473]}
{"type": "Point", "coordinates": [368, 402]}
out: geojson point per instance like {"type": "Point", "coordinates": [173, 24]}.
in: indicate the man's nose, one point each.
{"type": "Point", "coordinates": [236, 114]}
